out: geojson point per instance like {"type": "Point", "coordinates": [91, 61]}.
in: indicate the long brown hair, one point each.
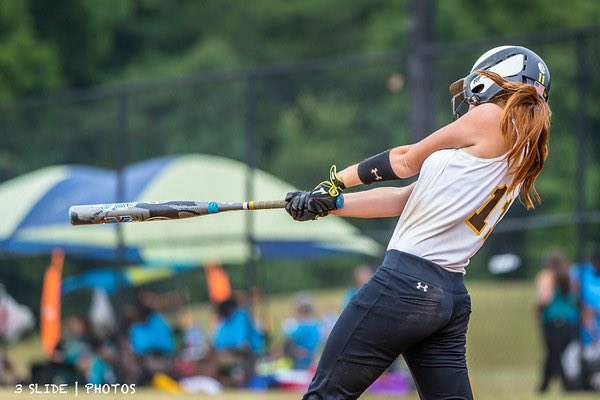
{"type": "Point", "coordinates": [526, 123]}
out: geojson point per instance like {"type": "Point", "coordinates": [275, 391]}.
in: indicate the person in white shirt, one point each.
{"type": "Point", "coordinates": [470, 172]}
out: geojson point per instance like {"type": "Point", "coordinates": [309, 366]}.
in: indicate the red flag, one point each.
{"type": "Point", "coordinates": [50, 303]}
{"type": "Point", "coordinates": [219, 288]}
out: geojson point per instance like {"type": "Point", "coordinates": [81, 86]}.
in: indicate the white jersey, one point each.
{"type": "Point", "coordinates": [454, 206]}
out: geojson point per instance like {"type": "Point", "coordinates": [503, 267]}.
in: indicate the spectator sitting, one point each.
{"type": "Point", "coordinates": [361, 275]}
{"type": "Point", "coordinates": [194, 355]}
{"type": "Point", "coordinates": [237, 342]}
{"type": "Point", "coordinates": [77, 339]}
{"type": "Point", "coordinates": [150, 346]}
{"type": "Point", "coordinates": [302, 334]}
{"type": "Point", "coordinates": [108, 353]}
{"type": "Point", "coordinates": [63, 364]}
{"type": "Point", "coordinates": [56, 369]}
{"type": "Point", "coordinates": [193, 340]}
{"type": "Point", "coordinates": [150, 333]}
{"type": "Point", "coordinates": [94, 369]}
{"type": "Point", "coordinates": [235, 330]}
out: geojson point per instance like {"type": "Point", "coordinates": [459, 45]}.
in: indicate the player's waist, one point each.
{"type": "Point", "coordinates": [420, 268]}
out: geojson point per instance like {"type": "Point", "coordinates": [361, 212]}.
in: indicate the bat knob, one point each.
{"type": "Point", "coordinates": [74, 216]}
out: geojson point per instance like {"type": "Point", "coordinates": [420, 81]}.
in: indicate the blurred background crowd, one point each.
{"type": "Point", "coordinates": [155, 340]}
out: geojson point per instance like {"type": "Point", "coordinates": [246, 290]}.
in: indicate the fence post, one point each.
{"type": "Point", "coordinates": [580, 223]}
{"type": "Point", "coordinates": [581, 124]}
{"type": "Point", "coordinates": [421, 76]}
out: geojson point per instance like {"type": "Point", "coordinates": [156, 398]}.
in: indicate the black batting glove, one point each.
{"type": "Point", "coordinates": [327, 195]}
{"type": "Point", "coordinates": [297, 206]}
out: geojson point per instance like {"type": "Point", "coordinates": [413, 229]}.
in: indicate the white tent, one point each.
{"type": "Point", "coordinates": [40, 201]}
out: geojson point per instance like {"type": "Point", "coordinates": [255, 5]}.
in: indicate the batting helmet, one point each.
{"type": "Point", "coordinates": [513, 63]}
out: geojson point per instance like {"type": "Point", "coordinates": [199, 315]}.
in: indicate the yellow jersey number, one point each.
{"type": "Point", "coordinates": [477, 221]}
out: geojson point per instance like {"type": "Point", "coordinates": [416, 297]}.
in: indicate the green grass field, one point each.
{"type": "Point", "coordinates": [504, 351]}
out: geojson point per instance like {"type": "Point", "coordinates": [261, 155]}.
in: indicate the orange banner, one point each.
{"type": "Point", "coordinates": [219, 288]}
{"type": "Point", "coordinates": [50, 303]}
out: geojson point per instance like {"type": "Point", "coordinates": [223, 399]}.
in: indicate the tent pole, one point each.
{"type": "Point", "coordinates": [250, 159]}
{"type": "Point", "coordinates": [121, 157]}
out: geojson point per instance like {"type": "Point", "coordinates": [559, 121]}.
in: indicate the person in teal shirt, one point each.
{"type": "Point", "coordinates": [557, 314]}
{"type": "Point", "coordinates": [237, 342]}
{"type": "Point", "coordinates": [151, 333]}
{"type": "Point", "coordinates": [236, 330]}
{"type": "Point", "coordinates": [303, 333]}
{"type": "Point", "coordinates": [587, 278]}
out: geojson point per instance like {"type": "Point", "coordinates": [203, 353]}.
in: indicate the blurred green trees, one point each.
{"type": "Point", "coordinates": [48, 45]}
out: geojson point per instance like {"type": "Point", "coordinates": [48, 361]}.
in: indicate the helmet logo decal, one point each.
{"type": "Point", "coordinates": [542, 68]}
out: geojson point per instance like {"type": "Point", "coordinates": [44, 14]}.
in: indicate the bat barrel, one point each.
{"type": "Point", "coordinates": [154, 211]}
{"type": "Point", "coordinates": [136, 212]}
{"type": "Point", "coordinates": [104, 213]}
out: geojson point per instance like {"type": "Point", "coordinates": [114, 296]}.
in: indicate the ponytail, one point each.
{"type": "Point", "coordinates": [525, 122]}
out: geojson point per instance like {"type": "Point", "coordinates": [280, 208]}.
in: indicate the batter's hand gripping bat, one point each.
{"type": "Point", "coordinates": [160, 210]}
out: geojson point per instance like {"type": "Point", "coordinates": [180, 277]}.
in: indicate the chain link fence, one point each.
{"type": "Point", "coordinates": [294, 120]}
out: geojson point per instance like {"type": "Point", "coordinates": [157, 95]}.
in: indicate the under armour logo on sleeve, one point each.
{"type": "Point", "coordinates": [374, 172]}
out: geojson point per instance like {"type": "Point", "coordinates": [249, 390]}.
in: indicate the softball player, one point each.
{"type": "Point", "coordinates": [470, 172]}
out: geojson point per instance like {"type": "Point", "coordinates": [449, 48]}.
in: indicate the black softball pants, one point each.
{"type": "Point", "coordinates": [411, 307]}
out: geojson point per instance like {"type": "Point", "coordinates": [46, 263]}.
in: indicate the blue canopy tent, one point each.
{"type": "Point", "coordinates": [39, 202]}
{"type": "Point", "coordinates": [110, 279]}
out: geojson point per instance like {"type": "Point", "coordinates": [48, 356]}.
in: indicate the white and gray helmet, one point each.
{"type": "Point", "coordinates": [514, 63]}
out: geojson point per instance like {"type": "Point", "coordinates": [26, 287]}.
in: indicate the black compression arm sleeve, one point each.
{"type": "Point", "coordinates": [376, 169]}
